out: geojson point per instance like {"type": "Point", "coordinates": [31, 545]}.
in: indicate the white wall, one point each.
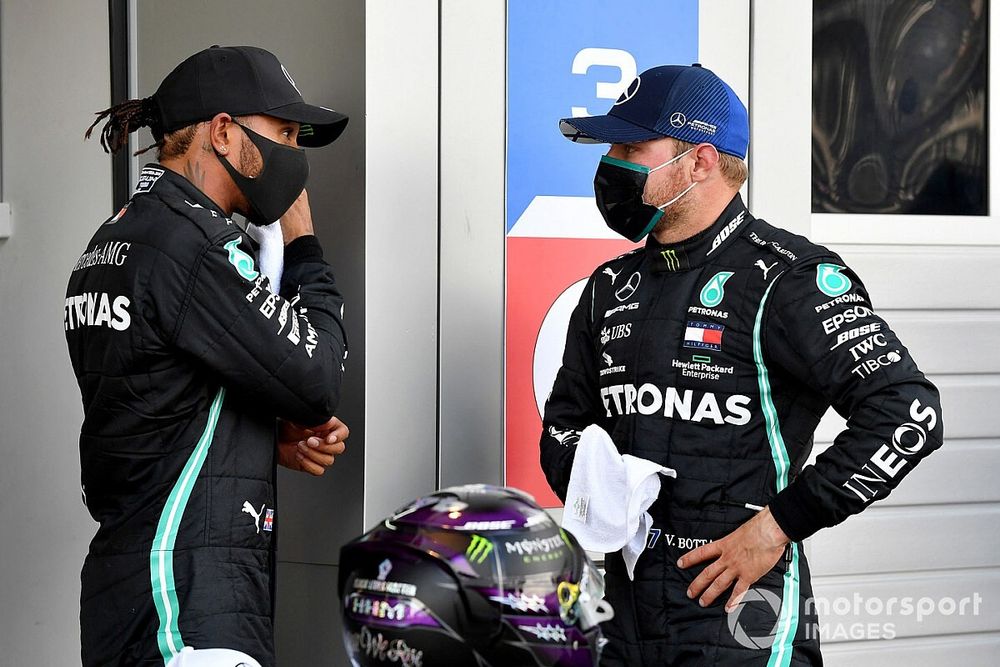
{"type": "Point", "coordinates": [938, 535]}
{"type": "Point", "coordinates": [55, 74]}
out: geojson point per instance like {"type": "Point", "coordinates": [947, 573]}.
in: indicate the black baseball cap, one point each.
{"type": "Point", "coordinates": [241, 80]}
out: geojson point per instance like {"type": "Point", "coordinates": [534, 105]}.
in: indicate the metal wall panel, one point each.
{"type": "Point", "coordinates": [961, 471]}
{"type": "Point", "coordinates": [401, 258]}
{"type": "Point", "coordinates": [973, 649]}
{"type": "Point", "coordinates": [968, 407]}
{"type": "Point", "coordinates": [934, 535]}
{"type": "Point", "coordinates": [909, 539]}
{"type": "Point", "coordinates": [936, 586]}
{"type": "Point", "coordinates": [55, 76]}
{"type": "Point", "coordinates": [473, 126]}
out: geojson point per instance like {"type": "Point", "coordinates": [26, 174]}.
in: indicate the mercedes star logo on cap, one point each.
{"type": "Point", "coordinates": [630, 92]}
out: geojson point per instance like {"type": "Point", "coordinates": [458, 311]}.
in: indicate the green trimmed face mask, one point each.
{"type": "Point", "coordinates": [620, 187]}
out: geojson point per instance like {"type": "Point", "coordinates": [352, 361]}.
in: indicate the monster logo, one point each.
{"type": "Point", "coordinates": [479, 549]}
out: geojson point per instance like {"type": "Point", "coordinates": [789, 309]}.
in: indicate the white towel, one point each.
{"type": "Point", "coordinates": [609, 495]}
{"type": "Point", "coordinates": [211, 657]}
{"type": "Point", "coordinates": [272, 251]}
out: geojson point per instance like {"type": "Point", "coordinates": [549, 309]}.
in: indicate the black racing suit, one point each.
{"type": "Point", "coordinates": [185, 357]}
{"type": "Point", "coordinates": [717, 357]}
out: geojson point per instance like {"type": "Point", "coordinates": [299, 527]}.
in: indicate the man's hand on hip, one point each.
{"type": "Point", "coordinates": [313, 449]}
{"type": "Point", "coordinates": [741, 558]}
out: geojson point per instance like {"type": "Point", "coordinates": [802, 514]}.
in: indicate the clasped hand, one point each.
{"type": "Point", "coordinates": [312, 449]}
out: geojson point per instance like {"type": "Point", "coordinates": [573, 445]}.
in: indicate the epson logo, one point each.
{"type": "Point", "coordinates": [832, 324]}
{"type": "Point", "coordinates": [908, 439]}
{"type": "Point", "coordinates": [672, 403]}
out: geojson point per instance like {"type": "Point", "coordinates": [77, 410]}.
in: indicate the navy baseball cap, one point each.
{"type": "Point", "coordinates": [689, 103]}
{"type": "Point", "coordinates": [241, 80]}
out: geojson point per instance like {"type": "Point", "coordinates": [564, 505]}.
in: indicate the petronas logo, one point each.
{"type": "Point", "coordinates": [479, 549]}
{"type": "Point", "coordinates": [241, 260]}
{"type": "Point", "coordinates": [714, 290]}
{"type": "Point", "coordinates": [670, 257]}
{"type": "Point", "coordinates": [830, 281]}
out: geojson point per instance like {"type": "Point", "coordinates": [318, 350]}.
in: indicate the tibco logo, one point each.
{"type": "Point", "coordinates": [869, 366]}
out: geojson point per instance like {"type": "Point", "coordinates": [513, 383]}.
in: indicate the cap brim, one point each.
{"type": "Point", "coordinates": [605, 129]}
{"type": "Point", "coordinates": [319, 126]}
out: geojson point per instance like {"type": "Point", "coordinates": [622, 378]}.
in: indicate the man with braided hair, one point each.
{"type": "Point", "coordinates": [198, 372]}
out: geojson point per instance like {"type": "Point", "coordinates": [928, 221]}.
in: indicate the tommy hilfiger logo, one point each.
{"type": "Point", "coordinates": [703, 335]}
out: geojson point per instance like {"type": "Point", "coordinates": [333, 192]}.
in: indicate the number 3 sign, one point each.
{"type": "Point", "coordinates": [563, 59]}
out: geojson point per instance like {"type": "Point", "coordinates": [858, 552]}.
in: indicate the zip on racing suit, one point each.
{"type": "Point", "coordinates": [185, 357]}
{"type": "Point", "coordinates": [717, 357]}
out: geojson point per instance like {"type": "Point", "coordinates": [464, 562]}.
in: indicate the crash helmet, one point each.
{"type": "Point", "coordinates": [473, 575]}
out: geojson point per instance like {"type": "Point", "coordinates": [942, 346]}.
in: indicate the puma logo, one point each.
{"type": "Point", "coordinates": [248, 509]}
{"type": "Point", "coordinates": [763, 267]}
{"type": "Point", "coordinates": [609, 272]}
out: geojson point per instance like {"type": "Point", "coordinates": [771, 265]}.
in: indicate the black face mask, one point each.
{"type": "Point", "coordinates": [619, 186]}
{"type": "Point", "coordinates": [279, 184]}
